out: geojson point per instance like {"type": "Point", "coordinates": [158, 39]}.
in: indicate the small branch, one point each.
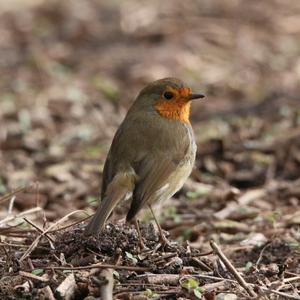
{"type": "Point", "coordinates": [24, 213]}
{"type": "Point", "coordinates": [166, 279]}
{"type": "Point", "coordinates": [163, 257]}
{"type": "Point", "coordinates": [263, 288]}
{"type": "Point", "coordinates": [232, 269]}
{"type": "Point", "coordinates": [36, 241]}
{"type": "Point", "coordinates": [261, 253]}
{"type": "Point", "coordinates": [285, 295]}
{"type": "Point", "coordinates": [11, 194]}
{"type": "Point", "coordinates": [31, 247]}
{"type": "Point", "coordinates": [215, 285]}
{"type": "Point", "coordinates": [33, 276]}
{"type": "Point", "coordinates": [4, 244]}
{"type": "Point", "coordinates": [11, 205]}
{"type": "Point", "coordinates": [101, 266]}
{"type": "Point", "coordinates": [202, 254]}
{"type": "Point", "coordinates": [70, 225]}
{"type": "Point", "coordinates": [13, 245]}
{"type": "Point", "coordinates": [291, 279]}
{"type": "Point", "coordinates": [201, 264]}
{"type": "Point", "coordinates": [51, 241]}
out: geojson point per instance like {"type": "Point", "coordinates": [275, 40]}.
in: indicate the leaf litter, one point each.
{"type": "Point", "coordinates": [69, 73]}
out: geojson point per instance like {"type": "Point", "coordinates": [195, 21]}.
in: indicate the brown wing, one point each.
{"type": "Point", "coordinates": [154, 178]}
{"type": "Point", "coordinates": [118, 189]}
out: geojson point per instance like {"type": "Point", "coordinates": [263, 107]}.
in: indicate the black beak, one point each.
{"type": "Point", "coordinates": [195, 96]}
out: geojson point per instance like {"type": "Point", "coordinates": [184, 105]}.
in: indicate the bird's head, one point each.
{"type": "Point", "coordinates": [169, 97]}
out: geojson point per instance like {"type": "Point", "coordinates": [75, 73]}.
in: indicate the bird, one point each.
{"type": "Point", "coordinates": [151, 155]}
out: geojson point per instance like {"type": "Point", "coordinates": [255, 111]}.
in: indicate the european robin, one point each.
{"type": "Point", "coordinates": [152, 153]}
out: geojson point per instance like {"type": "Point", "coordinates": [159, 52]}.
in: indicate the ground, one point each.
{"type": "Point", "coordinates": [69, 72]}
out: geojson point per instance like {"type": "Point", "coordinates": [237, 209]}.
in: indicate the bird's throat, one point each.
{"type": "Point", "coordinates": [178, 110]}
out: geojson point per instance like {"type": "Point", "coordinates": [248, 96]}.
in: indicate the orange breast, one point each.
{"type": "Point", "coordinates": [178, 109]}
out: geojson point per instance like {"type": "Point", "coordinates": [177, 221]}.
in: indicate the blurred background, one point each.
{"type": "Point", "coordinates": [69, 70]}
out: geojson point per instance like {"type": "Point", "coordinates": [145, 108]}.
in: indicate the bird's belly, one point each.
{"type": "Point", "coordinates": [176, 179]}
{"type": "Point", "coordinates": [174, 182]}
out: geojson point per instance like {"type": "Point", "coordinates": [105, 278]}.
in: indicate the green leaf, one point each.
{"type": "Point", "coordinates": [37, 271]}
{"type": "Point", "coordinates": [95, 150]}
{"type": "Point", "coordinates": [171, 212]}
{"type": "Point", "coordinates": [92, 200]}
{"type": "Point", "coordinates": [272, 217]}
{"type": "Point", "coordinates": [116, 274]}
{"type": "Point", "coordinates": [190, 283]}
{"type": "Point", "coordinates": [198, 292]}
{"type": "Point", "coordinates": [70, 271]}
{"type": "Point", "coordinates": [131, 257]}
{"type": "Point", "coordinates": [248, 266]}
{"type": "Point", "coordinates": [24, 119]}
{"type": "Point", "coordinates": [200, 191]}
{"type": "Point", "coordinates": [150, 294]}
{"type": "Point", "coordinates": [109, 89]}
{"type": "Point", "coordinates": [184, 235]}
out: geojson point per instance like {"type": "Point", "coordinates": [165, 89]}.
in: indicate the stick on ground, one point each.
{"type": "Point", "coordinates": [232, 269]}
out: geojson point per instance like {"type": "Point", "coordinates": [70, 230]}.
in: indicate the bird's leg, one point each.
{"type": "Point", "coordinates": [137, 227]}
{"type": "Point", "coordinates": [163, 238]}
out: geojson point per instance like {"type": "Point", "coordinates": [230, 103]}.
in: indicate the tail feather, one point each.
{"type": "Point", "coordinates": [120, 188]}
{"type": "Point", "coordinates": [104, 210]}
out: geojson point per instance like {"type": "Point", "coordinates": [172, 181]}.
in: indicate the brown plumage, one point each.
{"type": "Point", "coordinates": [152, 152]}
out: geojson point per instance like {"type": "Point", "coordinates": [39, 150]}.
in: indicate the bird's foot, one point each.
{"type": "Point", "coordinates": [165, 244]}
{"type": "Point", "coordinates": [142, 246]}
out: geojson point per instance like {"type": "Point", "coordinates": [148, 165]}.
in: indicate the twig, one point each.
{"type": "Point", "coordinates": [261, 253]}
{"type": "Point", "coordinates": [201, 254]}
{"type": "Point", "coordinates": [201, 264]}
{"type": "Point", "coordinates": [24, 213]}
{"type": "Point", "coordinates": [18, 190]}
{"type": "Point", "coordinates": [285, 295]}
{"type": "Point", "coordinates": [70, 225]}
{"type": "Point", "coordinates": [4, 244]}
{"type": "Point", "coordinates": [51, 241]}
{"type": "Point", "coordinates": [133, 292]}
{"type": "Point", "coordinates": [291, 279]}
{"type": "Point", "coordinates": [162, 257]}
{"type": "Point", "coordinates": [101, 266]}
{"type": "Point", "coordinates": [232, 269]}
{"type": "Point", "coordinates": [33, 276]}
{"type": "Point", "coordinates": [263, 288]}
{"type": "Point", "coordinates": [106, 289]}
{"type": "Point", "coordinates": [11, 205]}
{"type": "Point", "coordinates": [31, 247]}
{"type": "Point", "coordinates": [213, 286]}
{"type": "Point", "coordinates": [63, 219]}
{"type": "Point", "coordinates": [54, 230]}
{"type": "Point", "coordinates": [167, 279]}
{"type": "Point", "coordinates": [36, 241]}
{"type": "Point", "coordinates": [172, 278]}
{"type": "Point", "coordinates": [140, 284]}
{"type": "Point", "coordinates": [13, 245]}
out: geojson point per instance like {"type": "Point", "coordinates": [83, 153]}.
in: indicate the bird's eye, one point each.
{"type": "Point", "coordinates": [168, 95]}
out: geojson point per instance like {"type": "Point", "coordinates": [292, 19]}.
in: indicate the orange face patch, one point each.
{"type": "Point", "coordinates": [177, 107]}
